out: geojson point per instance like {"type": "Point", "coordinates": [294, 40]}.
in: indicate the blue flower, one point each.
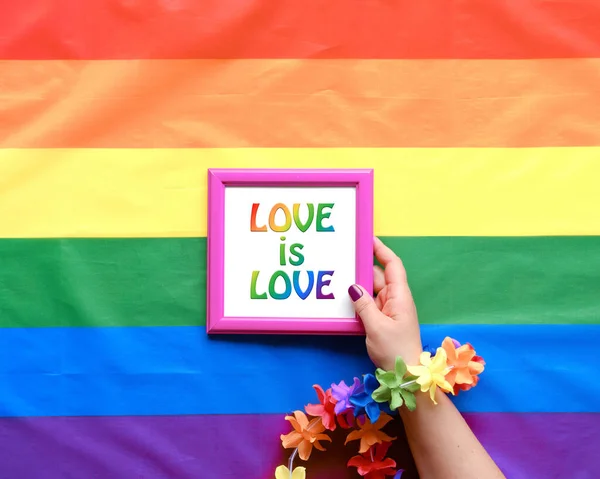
{"type": "Point", "coordinates": [429, 350]}
{"type": "Point", "coordinates": [364, 403]}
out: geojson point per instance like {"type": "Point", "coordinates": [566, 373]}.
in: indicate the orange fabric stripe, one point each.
{"type": "Point", "coordinates": [300, 103]}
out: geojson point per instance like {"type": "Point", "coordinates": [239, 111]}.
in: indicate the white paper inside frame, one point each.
{"type": "Point", "coordinates": [247, 252]}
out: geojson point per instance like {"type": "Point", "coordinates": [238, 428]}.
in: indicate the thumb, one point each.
{"type": "Point", "coordinates": [365, 307]}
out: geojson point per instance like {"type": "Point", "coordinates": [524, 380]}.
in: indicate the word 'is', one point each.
{"type": "Point", "coordinates": [296, 258]}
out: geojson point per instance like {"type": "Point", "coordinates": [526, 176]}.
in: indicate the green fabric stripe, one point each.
{"type": "Point", "coordinates": [102, 282]}
{"type": "Point", "coordinates": [503, 280]}
{"type": "Point", "coordinates": [156, 282]}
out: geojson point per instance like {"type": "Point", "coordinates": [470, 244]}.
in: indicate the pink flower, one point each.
{"type": "Point", "coordinates": [324, 410]}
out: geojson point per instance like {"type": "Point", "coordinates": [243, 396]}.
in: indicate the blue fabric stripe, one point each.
{"type": "Point", "coordinates": [179, 370]}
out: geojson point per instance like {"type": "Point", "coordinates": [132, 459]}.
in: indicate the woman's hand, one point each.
{"type": "Point", "coordinates": [390, 321]}
{"type": "Point", "coordinates": [442, 443]}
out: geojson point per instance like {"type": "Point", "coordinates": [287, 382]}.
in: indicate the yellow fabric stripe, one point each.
{"type": "Point", "coordinates": [419, 192]}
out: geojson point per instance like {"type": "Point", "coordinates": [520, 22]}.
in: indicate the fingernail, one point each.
{"type": "Point", "coordinates": [355, 292]}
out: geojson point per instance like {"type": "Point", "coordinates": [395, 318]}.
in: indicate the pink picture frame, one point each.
{"type": "Point", "coordinates": [218, 181]}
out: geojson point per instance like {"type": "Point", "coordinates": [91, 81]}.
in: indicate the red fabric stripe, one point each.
{"type": "Point", "coordinates": [125, 29]}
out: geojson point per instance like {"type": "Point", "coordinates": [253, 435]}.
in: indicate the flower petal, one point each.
{"type": "Point", "coordinates": [425, 359]}
{"type": "Point", "coordinates": [465, 355]}
{"type": "Point", "coordinates": [396, 400]}
{"type": "Point", "coordinates": [382, 394]}
{"type": "Point", "coordinates": [389, 378]}
{"type": "Point", "coordinates": [382, 421]}
{"type": "Point", "coordinates": [381, 450]}
{"type": "Point", "coordinates": [314, 409]}
{"type": "Point", "coordinates": [345, 420]}
{"type": "Point", "coordinates": [409, 399]}
{"type": "Point", "coordinates": [328, 422]}
{"type": "Point", "coordinates": [301, 418]}
{"type": "Point", "coordinates": [387, 463]}
{"type": "Point", "coordinates": [373, 411]}
{"type": "Point", "coordinates": [342, 406]}
{"type": "Point", "coordinates": [291, 439]}
{"type": "Point", "coordinates": [320, 393]}
{"type": "Point", "coordinates": [439, 361]}
{"type": "Point", "coordinates": [371, 383]}
{"type": "Point", "coordinates": [354, 435]}
{"type": "Point", "coordinates": [339, 391]}
{"type": "Point", "coordinates": [417, 370]}
{"type": "Point", "coordinates": [282, 472]}
{"type": "Point", "coordinates": [294, 423]}
{"type": "Point", "coordinates": [299, 473]}
{"type": "Point", "coordinates": [318, 446]}
{"type": "Point", "coordinates": [400, 367]}
{"type": "Point", "coordinates": [315, 426]}
{"type": "Point", "coordinates": [304, 450]}
{"type": "Point", "coordinates": [361, 399]}
{"type": "Point", "coordinates": [463, 376]}
{"type": "Point", "coordinates": [476, 367]}
{"type": "Point", "coordinates": [356, 387]}
{"type": "Point", "coordinates": [383, 437]}
{"type": "Point", "coordinates": [450, 349]}
{"type": "Point", "coordinates": [362, 464]}
{"type": "Point", "coordinates": [365, 444]}
{"type": "Point", "coordinates": [432, 391]}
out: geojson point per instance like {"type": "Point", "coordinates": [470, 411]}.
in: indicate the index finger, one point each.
{"type": "Point", "coordinates": [392, 264]}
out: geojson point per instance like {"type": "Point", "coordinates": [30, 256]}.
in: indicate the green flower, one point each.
{"type": "Point", "coordinates": [394, 388]}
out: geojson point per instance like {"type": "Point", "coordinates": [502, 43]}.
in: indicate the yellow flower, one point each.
{"type": "Point", "coordinates": [282, 472]}
{"type": "Point", "coordinates": [432, 372]}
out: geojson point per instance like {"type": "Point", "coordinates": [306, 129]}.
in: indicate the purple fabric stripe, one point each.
{"type": "Point", "coordinates": [204, 447]}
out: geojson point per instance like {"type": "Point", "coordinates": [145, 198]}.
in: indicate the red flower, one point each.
{"type": "Point", "coordinates": [346, 419]}
{"type": "Point", "coordinates": [324, 410]}
{"type": "Point", "coordinates": [372, 465]}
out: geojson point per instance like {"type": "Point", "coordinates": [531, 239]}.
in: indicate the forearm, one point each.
{"type": "Point", "coordinates": [442, 444]}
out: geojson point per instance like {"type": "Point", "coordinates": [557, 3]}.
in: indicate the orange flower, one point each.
{"type": "Point", "coordinates": [465, 365]}
{"type": "Point", "coordinates": [305, 434]}
{"type": "Point", "coordinates": [370, 433]}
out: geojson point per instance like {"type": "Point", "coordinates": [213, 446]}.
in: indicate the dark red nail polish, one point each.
{"type": "Point", "coordinates": [355, 292]}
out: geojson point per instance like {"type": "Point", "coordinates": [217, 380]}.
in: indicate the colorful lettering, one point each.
{"type": "Point", "coordinates": [294, 250]}
{"type": "Point", "coordinates": [311, 213]}
{"type": "Point", "coordinates": [321, 215]}
{"type": "Point", "coordinates": [282, 252]}
{"type": "Point", "coordinates": [253, 293]}
{"type": "Point", "coordinates": [311, 281]}
{"type": "Point", "coordinates": [323, 279]}
{"type": "Point", "coordinates": [321, 283]}
{"type": "Point", "coordinates": [288, 285]}
{"type": "Point", "coordinates": [253, 226]}
{"type": "Point", "coordinates": [288, 218]}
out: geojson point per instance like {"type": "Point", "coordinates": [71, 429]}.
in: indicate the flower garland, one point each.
{"type": "Point", "coordinates": [367, 406]}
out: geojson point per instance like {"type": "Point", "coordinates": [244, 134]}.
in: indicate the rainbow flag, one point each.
{"type": "Point", "coordinates": [482, 121]}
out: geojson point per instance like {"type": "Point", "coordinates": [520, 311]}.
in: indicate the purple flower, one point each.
{"type": "Point", "coordinates": [398, 475]}
{"type": "Point", "coordinates": [341, 393]}
{"type": "Point", "coordinates": [456, 343]}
